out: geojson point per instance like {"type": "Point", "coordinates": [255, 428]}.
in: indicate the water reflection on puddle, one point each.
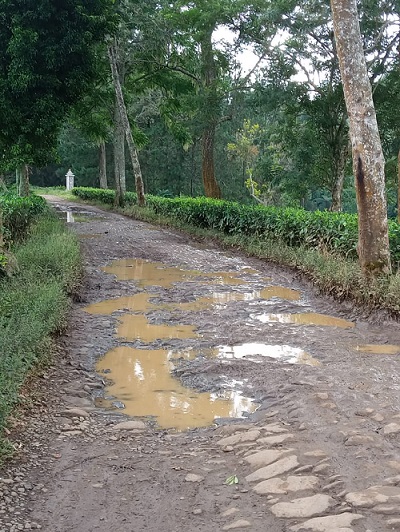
{"type": "Point", "coordinates": [280, 292]}
{"type": "Point", "coordinates": [138, 302]}
{"type": "Point", "coordinates": [305, 318]}
{"type": "Point", "coordinates": [376, 349]}
{"type": "Point", "coordinates": [136, 327]}
{"type": "Point", "coordinates": [157, 274]}
{"type": "Point", "coordinates": [252, 351]}
{"type": "Point", "coordinates": [142, 380]}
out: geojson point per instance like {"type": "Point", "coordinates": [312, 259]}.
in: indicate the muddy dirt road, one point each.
{"type": "Point", "coordinates": [200, 390]}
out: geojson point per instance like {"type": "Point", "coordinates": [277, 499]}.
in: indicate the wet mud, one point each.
{"type": "Point", "coordinates": [291, 395]}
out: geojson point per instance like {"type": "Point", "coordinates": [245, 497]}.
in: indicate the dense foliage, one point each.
{"type": "Point", "coordinates": [33, 306]}
{"type": "Point", "coordinates": [333, 232]}
{"type": "Point", "coordinates": [47, 62]}
{"type": "Point", "coordinates": [19, 213]}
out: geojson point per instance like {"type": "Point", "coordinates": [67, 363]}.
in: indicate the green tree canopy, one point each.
{"type": "Point", "coordinates": [47, 61]}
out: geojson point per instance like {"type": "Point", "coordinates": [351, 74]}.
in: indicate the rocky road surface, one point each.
{"type": "Point", "coordinates": [321, 452]}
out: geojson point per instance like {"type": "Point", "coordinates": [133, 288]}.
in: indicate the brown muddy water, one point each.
{"type": "Point", "coordinates": [137, 327]}
{"type": "Point", "coordinates": [385, 349]}
{"type": "Point", "coordinates": [142, 379]}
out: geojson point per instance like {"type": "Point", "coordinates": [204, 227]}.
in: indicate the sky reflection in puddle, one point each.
{"type": "Point", "coordinates": [304, 318]}
{"type": "Point", "coordinates": [142, 380]}
{"type": "Point", "coordinates": [253, 352]}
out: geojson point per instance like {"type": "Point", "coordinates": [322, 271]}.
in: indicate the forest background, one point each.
{"type": "Point", "coordinates": [275, 130]}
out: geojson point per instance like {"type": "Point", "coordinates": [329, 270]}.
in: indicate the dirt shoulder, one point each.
{"type": "Point", "coordinates": [322, 452]}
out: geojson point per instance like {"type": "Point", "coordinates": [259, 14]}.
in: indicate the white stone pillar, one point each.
{"type": "Point", "coordinates": [70, 179]}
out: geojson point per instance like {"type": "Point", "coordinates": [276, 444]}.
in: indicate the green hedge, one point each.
{"type": "Point", "coordinates": [333, 232]}
{"type": "Point", "coordinates": [19, 213]}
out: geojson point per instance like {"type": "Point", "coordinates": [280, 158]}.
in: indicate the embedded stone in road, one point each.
{"type": "Point", "coordinates": [275, 440]}
{"type": "Point", "coordinates": [304, 507]}
{"type": "Point", "coordinates": [392, 428]}
{"type": "Point", "coordinates": [191, 477]}
{"type": "Point", "coordinates": [328, 524]}
{"type": "Point", "coordinates": [292, 483]}
{"type": "Point", "coordinates": [373, 496]}
{"type": "Point", "coordinates": [251, 435]}
{"type": "Point", "coordinates": [275, 428]}
{"type": "Point", "coordinates": [130, 425]}
{"type": "Point", "coordinates": [74, 412]}
{"type": "Point", "coordinates": [273, 470]}
{"type": "Point", "coordinates": [266, 457]}
{"type": "Point", "coordinates": [241, 523]}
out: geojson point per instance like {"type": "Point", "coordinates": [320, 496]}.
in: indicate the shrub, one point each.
{"type": "Point", "coordinates": [19, 213]}
{"type": "Point", "coordinates": [333, 232]}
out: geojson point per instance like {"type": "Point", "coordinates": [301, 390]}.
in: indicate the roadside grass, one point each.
{"type": "Point", "coordinates": [34, 307]}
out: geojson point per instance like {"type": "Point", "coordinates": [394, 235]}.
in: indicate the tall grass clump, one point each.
{"type": "Point", "coordinates": [34, 305]}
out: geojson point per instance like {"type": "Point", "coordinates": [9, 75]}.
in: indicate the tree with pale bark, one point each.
{"type": "Point", "coordinates": [368, 159]}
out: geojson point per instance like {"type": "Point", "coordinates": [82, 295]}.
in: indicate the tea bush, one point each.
{"type": "Point", "coordinates": [326, 231]}
{"type": "Point", "coordinates": [19, 213]}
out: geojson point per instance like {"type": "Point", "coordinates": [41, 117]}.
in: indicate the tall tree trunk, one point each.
{"type": "Point", "coordinates": [368, 160]}
{"type": "Point", "coordinates": [211, 187]}
{"type": "Point", "coordinates": [128, 132]}
{"type": "Point", "coordinates": [210, 116]}
{"type": "Point", "coordinates": [398, 186]}
{"type": "Point", "coordinates": [24, 180]}
{"type": "Point", "coordinates": [102, 165]}
{"type": "Point", "coordinates": [17, 178]}
{"type": "Point", "coordinates": [339, 170]}
{"type": "Point", "coordinates": [119, 158]}
{"type": "Point", "coordinates": [119, 143]}
{"type": "Point", "coordinates": [1, 232]}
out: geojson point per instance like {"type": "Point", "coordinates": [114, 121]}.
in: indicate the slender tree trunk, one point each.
{"type": "Point", "coordinates": [119, 148]}
{"type": "Point", "coordinates": [1, 232]}
{"type": "Point", "coordinates": [398, 186]}
{"type": "Point", "coordinates": [17, 178]}
{"type": "Point", "coordinates": [127, 128]}
{"type": "Point", "coordinates": [340, 169]}
{"type": "Point", "coordinates": [119, 158]}
{"type": "Point", "coordinates": [368, 160]}
{"type": "Point", "coordinates": [24, 180]}
{"type": "Point", "coordinates": [211, 187]}
{"type": "Point", "coordinates": [102, 165]}
{"type": "Point", "coordinates": [210, 116]}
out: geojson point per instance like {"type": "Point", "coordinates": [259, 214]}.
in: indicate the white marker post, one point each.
{"type": "Point", "coordinates": [70, 179]}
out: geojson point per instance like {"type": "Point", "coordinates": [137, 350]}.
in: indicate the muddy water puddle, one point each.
{"type": "Point", "coordinates": [305, 318]}
{"type": "Point", "coordinates": [138, 303]}
{"type": "Point", "coordinates": [137, 327]}
{"type": "Point", "coordinates": [376, 349]}
{"type": "Point", "coordinates": [73, 217]}
{"type": "Point", "coordinates": [157, 274]}
{"type": "Point", "coordinates": [142, 380]}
